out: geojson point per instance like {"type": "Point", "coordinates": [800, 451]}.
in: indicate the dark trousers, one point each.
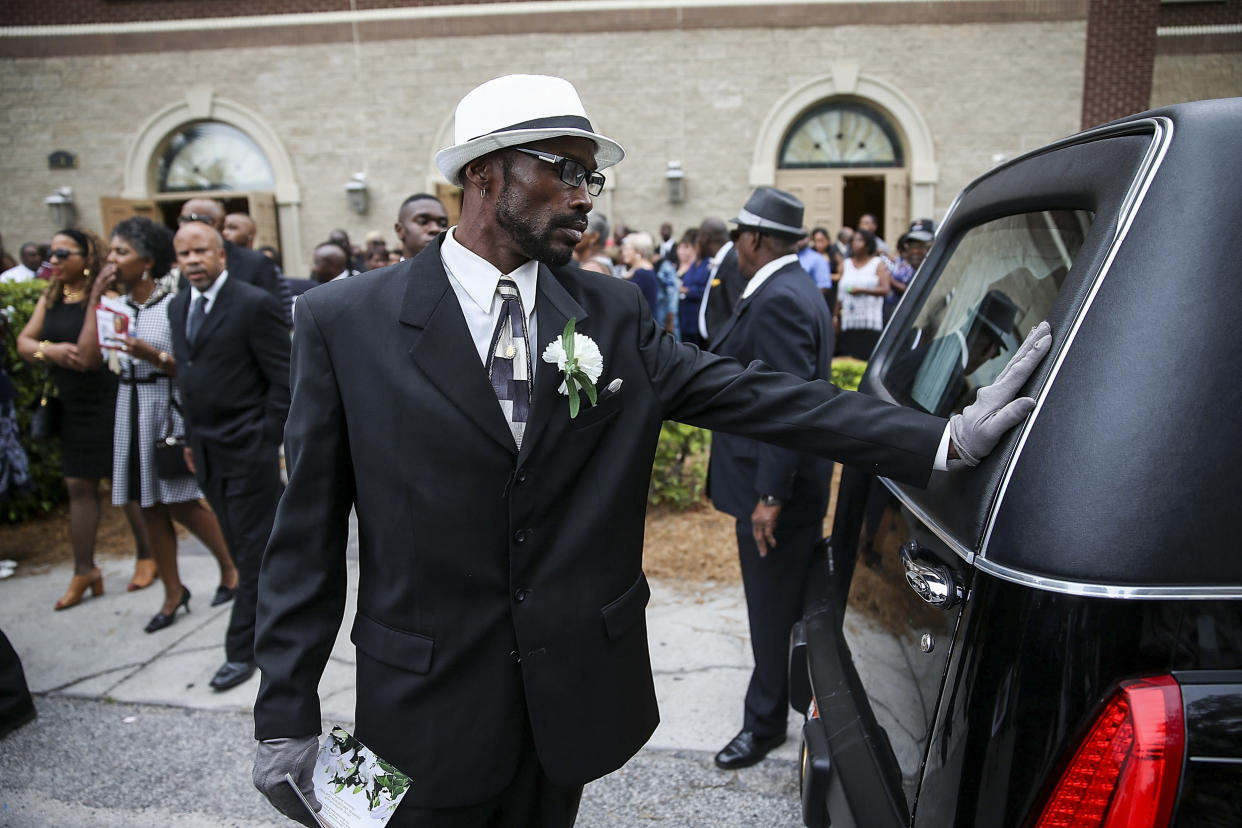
{"type": "Point", "coordinates": [244, 501]}
{"type": "Point", "coordinates": [777, 588]}
{"type": "Point", "coordinates": [16, 705]}
{"type": "Point", "coordinates": [530, 800]}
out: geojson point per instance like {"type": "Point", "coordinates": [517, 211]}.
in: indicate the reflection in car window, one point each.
{"type": "Point", "coordinates": [1000, 282]}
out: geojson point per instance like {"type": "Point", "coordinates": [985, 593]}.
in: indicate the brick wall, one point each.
{"type": "Point", "coordinates": [696, 96]}
{"type": "Point", "coordinates": [1121, 48]}
{"type": "Point", "coordinates": [62, 12]}
{"type": "Point", "coordinates": [1203, 13]}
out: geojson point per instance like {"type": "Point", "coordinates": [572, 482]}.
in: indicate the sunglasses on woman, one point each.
{"type": "Point", "coordinates": [62, 253]}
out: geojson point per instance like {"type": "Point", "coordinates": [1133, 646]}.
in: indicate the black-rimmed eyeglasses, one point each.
{"type": "Point", "coordinates": [572, 173]}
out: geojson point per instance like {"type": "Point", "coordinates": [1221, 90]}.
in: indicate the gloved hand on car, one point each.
{"type": "Point", "coordinates": [997, 407]}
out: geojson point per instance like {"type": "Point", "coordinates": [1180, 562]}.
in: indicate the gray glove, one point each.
{"type": "Point", "coordinates": [296, 757]}
{"type": "Point", "coordinates": [977, 430]}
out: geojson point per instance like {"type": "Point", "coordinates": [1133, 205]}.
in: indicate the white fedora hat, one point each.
{"type": "Point", "coordinates": [519, 109]}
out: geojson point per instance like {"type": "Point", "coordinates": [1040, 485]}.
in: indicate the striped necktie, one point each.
{"type": "Point", "coordinates": [509, 364]}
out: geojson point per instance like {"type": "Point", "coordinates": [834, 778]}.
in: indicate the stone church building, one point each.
{"type": "Point", "coordinates": [315, 114]}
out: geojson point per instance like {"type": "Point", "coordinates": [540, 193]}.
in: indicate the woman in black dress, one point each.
{"type": "Point", "coordinates": [88, 403]}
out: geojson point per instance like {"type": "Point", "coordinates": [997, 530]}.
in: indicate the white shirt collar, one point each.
{"type": "Point", "coordinates": [720, 254]}
{"type": "Point", "coordinates": [211, 293]}
{"type": "Point", "coordinates": [479, 277]}
{"type": "Point", "coordinates": [767, 270]}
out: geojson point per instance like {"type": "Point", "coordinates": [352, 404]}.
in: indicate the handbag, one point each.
{"type": "Point", "coordinates": [45, 420]}
{"type": "Point", "coordinates": [170, 449]}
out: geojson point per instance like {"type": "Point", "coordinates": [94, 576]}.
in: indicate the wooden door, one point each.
{"type": "Point", "coordinates": [114, 210]}
{"type": "Point", "coordinates": [262, 210]}
{"type": "Point", "coordinates": [897, 206]}
{"type": "Point", "coordinates": [819, 191]}
{"type": "Point", "coordinates": [451, 197]}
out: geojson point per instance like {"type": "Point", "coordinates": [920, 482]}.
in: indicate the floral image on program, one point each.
{"type": "Point", "coordinates": [357, 779]}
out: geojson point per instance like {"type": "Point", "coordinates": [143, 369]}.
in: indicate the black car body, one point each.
{"type": "Point", "coordinates": [1055, 637]}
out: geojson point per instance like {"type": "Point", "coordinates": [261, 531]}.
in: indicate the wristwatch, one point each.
{"type": "Point", "coordinates": [163, 357]}
{"type": "Point", "coordinates": [770, 500]}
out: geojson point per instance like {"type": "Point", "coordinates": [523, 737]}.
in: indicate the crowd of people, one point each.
{"type": "Point", "coordinates": [119, 402]}
{"type": "Point", "coordinates": [501, 590]}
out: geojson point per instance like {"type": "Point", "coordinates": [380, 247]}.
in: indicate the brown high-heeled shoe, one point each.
{"type": "Point", "coordinates": [78, 585]}
{"type": "Point", "coordinates": [145, 573]}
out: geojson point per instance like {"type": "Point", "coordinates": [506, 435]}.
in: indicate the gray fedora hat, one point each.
{"type": "Point", "coordinates": [519, 109]}
{"type": "Point", "coordinates": [770, 210]}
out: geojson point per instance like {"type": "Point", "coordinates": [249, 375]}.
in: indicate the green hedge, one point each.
{"type": "Point", "coordinates": [17, 303]}
{"type": "Point", "coordinates": [679, 474]}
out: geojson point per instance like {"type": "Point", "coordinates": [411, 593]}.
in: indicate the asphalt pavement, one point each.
{"type": "Point", "coordinates": [130, 734]}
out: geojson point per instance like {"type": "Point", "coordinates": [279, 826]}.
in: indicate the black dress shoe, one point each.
{"type": "Point", "coordinates": [746, 749]}
{"type": "Point", "coordinates": [232, 674]}
{"type": "Point", "coordinates": [223, 595]}
{"type": "Point", "coordinates": [161, 620]}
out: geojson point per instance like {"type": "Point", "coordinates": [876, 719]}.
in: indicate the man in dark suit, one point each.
{"type": "Point", "coordinates": [725, 282]}
{"type": "Point", "coordinates": [244, 265]}
{"type": "Point", "coordinates": [778, 496]}
{"type": "Point", "coordinates": [232, 349]}
{"type": "Point", "coordinates": [501, 640]}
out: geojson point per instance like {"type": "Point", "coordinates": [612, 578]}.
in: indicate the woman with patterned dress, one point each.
{"type": "Point", "coordinates": [87, 397]}
{"type": "Point", "coordinates": [141, 254]}
{"type": "Point", "coordinates": [860, 298]}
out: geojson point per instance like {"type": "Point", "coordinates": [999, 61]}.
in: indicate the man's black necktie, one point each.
{"type": "Point", "coordinates": [195, 323]}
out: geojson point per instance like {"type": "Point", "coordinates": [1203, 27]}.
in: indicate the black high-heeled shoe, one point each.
{"type": "Point", "coordinates": [161, 619]}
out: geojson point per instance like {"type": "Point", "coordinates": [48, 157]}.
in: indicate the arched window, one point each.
{"type": "Point", "coordinates": [841, 134]}
{"type": "Point", "coordinates": [210, 155]}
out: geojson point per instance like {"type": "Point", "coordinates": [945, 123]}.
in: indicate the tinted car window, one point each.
{"type": "Point", "coordinates": [999, 283]}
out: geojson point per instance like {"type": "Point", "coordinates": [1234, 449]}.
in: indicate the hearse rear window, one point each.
{"type": "Point", "coordinates": [999, 282]}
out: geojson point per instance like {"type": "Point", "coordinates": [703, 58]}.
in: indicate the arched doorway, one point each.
{"type": "Point", "coordinates": [213, 147]}
{"type": "Point", "coordinates": [843, 159]}
{"type": "Point", "coordinates": [848, 144]}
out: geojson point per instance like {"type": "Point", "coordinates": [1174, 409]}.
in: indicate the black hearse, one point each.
{"type": "Point", "coordinates": [1055, 637]}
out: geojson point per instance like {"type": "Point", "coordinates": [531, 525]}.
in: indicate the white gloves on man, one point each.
{"type": "Point", "coordinates": [997, 407]}
{"type": "Point", "coordinates": [296, 757]}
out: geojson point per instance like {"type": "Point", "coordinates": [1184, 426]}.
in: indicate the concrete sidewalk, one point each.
{"type": "Point", "coordinates": [98, 651]}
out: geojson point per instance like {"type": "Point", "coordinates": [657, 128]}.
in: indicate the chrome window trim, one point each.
{"type": "Point", "coordinates": [1161, 139]}
{"type": "Point", "coordinates": [1162, 135]}
{"type": "Point", "coordinates": [1094, 590]}
{"type": "Point", "coordinates": [960, 549]}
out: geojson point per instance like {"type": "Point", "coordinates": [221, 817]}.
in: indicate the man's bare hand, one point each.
{"type": "Point", "coordinates": [763, 524]}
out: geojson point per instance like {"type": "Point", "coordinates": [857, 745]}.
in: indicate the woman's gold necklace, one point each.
{"type": "Point", "coordinates": [71, 296]}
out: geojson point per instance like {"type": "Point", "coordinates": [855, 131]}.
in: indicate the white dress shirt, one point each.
{"type": "Point", "coordinates": [762, 274]}
{"type": "Point", "coordinates": [474, 280]}
{"type": "Point", "coordinates": [707, 289]}
{"type": "Point", "coordinates": [211, 293]}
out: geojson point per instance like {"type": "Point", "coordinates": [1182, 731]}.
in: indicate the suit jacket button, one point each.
{"type": "Point", "coordinates": [520, 595]}
{"type": "Point", "coordinates": [521, 476]}
{"type": "Point", "coordinates": [521, 535]}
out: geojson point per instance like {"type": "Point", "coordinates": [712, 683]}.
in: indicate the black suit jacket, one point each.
{"type": "Point", "coordinates": [497, 584]}
{"type": "Point", "coordinates": [726, 289]}
{"type": "Point", "coordinates": [784, 325]}
{"type": "Point", "coordinates": [234, 380]}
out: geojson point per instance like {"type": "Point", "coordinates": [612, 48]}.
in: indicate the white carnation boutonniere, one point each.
{"type": "Point", "coordinates": [580, 362]}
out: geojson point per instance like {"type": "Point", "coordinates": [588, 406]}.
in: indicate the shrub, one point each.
{"type": "Point", "coordinates": [679, 474]}
{"type": "Point", "coordinates": [847, 372]}
{"type": "Point", "coordinates": [17, 303]}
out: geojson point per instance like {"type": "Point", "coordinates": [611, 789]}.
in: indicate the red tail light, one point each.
{"type": "Point", "coordinates": [1126, 771]}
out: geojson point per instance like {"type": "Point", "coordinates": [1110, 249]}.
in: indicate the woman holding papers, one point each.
{"type": "Point", "coordinates": [148, 406]}
{"type": "Point", "coordinates": [87, 395]}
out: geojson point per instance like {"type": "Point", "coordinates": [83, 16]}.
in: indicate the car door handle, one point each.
{"type": "Point", "coordinates": [934, 582]}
